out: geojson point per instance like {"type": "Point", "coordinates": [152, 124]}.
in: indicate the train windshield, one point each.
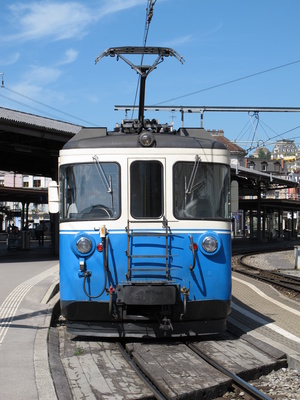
{"type": "Point", "coordinates": [90, 191]}
{"type": "Point", "coordinates": [201, 190]}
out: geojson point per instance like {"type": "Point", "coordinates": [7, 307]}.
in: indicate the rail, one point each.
{"type": "Point", "coordinates": [156, 393]}
{"type": "Point", "coordinates": [277, 279]}
{"type": "Point", "coordinates": [239, 382]}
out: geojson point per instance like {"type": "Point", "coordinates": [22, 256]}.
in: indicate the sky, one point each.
{"type": "Point", "coordinates": [242, 53]}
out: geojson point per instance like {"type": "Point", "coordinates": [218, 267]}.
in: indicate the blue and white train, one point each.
{"type": "Point", "coordinates": [145, 231]}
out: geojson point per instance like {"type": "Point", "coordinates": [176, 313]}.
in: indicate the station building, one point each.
{"type": "Point", "coordinates": [269, 191]}
{"type": "Point", "coordinates": [11, 211]}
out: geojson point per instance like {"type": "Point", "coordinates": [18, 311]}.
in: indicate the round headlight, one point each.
{"type": "Point", "coordinates": [210, 244]}
{"type": "Point", "coordinates": [146, 139]}
{"type": "Point", "coordinates": [84, 245]}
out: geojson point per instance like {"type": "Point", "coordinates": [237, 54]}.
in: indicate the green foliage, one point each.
{"type": "Point", "coordinates": [263, 154]}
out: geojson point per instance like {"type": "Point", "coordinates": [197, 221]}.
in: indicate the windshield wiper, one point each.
{"type": "Point", "coordinates": [106, 182]}
{"type": "Point", "coordinates": [191, 187]}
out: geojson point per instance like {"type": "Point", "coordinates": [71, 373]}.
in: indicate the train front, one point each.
{"type": "Point", "coordinates": [145, 240]}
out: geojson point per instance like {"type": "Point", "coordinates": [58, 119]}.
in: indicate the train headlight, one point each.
{"type": "Point", "coordinates": [210, 244]}
{"type": "Point", "coordinates": [84, 245]}
{"type": "Point", "coordinates": [146, 139]}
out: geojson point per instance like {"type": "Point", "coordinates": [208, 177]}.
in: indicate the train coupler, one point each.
{"type": "Point", "coordinates": [166, 324]}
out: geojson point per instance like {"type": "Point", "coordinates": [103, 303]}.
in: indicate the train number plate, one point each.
{"type": "Point", "coordinates": [146, 294]}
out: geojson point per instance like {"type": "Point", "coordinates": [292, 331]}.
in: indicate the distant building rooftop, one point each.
{"type": "Point", "coordinates": [231, 146]}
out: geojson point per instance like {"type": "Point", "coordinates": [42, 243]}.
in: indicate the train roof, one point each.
{"type": "Point", "coordinates": [181, 138]}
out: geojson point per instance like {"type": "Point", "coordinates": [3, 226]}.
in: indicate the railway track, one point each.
{"type": "Point", "coordinates": [202, 369]}
{"type": "Point", "coordinates": [208, 368]}
{"type": "Point", "coordinates": [287, 284]}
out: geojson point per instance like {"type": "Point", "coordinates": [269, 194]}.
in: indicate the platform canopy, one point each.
{"type": "Point", "coordinates": [29, 144]}
{"type": "Point", "coordinates": [24, 195]}
{"type": "Point", "coordinates": [251, 181]}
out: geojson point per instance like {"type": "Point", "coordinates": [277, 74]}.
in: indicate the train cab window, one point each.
{"type": "Point", "coordinates": [90, 191]}
{"type": "Point", "coordinates": [200, 190]}
{"type": "Point", "coordinates": [146, 189]}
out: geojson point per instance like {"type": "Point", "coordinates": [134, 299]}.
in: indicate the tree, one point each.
{"type": "Point", "coordinates": [264, 154]}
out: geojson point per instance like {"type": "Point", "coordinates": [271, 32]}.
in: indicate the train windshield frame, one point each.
{"type": "Point", "coordinates": [90, 191]}
{"type": "Point", "coordinates": [201, 190]}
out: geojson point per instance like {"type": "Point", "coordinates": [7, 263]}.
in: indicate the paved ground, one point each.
{"type": "Point", "coordinates": [27, 278]}
{"type": "Point", "coordinates": [262, 310]}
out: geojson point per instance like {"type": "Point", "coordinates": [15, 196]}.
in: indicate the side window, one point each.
{"type": "Point", "coordinates": [146, 193]}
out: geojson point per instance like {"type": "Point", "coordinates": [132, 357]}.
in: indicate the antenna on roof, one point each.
{"type": "Point", "coordinates": [142, 70]}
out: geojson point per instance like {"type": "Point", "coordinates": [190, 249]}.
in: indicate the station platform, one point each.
{"type": "Point", "coordinates": [35, 251]}
{"type": "Point", "coordinates": [260, 310]}
{"type": "Point", "coordinates": [29, 279]}
{"type": "Point", "coordinates": [245, 245]}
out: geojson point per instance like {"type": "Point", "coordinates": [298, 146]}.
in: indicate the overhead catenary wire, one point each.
{"type": "Point", "coordinates": [38, 102]}
{"type": "Point", "coordinates": [230, 82]}
{"type": "Point", "coordinates": [274, 137]}
{"type": "Point", "coordinates": [149, 15]}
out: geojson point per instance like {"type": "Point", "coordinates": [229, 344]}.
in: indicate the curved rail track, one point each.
{"type": "Point", "coordinates": [288, 284]}
{"type": "Point", "coordinates": [204, 369]}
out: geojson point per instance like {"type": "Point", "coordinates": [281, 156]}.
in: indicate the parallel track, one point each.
{"type": "Point", "coordinates": [290, 285]}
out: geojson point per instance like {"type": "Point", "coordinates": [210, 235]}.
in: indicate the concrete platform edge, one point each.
{"type": "Point", "coordinates": [44, 381]}
{"type": "Point", "coordinates": [293, 360]}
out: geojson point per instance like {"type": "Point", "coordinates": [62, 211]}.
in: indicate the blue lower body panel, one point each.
{"type": "Point", "coordinates": [114, 294]}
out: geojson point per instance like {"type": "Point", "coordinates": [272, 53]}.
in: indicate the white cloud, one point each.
{"type": "Point", "coordinates": [41, 75]}
{"type": "Point", "coordinates": [31, 90]}
{"type": "Point", "coordinates": [69, 57]}
{"type": "Point", "coordinates": [57, 20]}
{"type": "Point", "coordinates": [180, 41]}
{"type": "Point", "coordinates": [9, 60]}
{"type": "Point", "coordinates": [113, 6]}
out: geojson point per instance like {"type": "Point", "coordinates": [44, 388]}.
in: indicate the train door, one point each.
{"type": "Point", "coordinates": [146, 192]}
{"type": "Point", "coordinates": [148, 239]}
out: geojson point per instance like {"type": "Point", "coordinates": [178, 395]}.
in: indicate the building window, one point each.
{"type": "Point", "coordinates": [2, 180]}
{"type": "Point", "coordinates": [36, 183]}
{"type": "Point", "coordinates": [277, 167]}
{"type": "Point", "coordinates": [264, 166]}
{"type": "Point", "coordinates": [251, 165]}
{"type": "Point", "coordinates": [25, 181]}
